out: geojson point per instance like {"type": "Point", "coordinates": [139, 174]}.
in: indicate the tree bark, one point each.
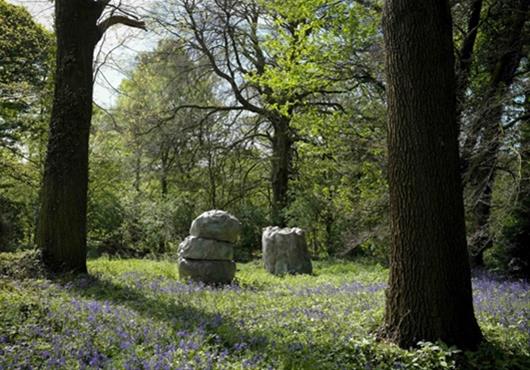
{"type": "Point", "coordinates": [429, 295]}
{"type": "Point", "coordinates": [282, 147]}
{"type": "Point", "coordinates": [62, 219]}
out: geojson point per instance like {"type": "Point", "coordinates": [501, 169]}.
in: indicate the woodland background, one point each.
{"type": "Point", "coordinates": [180, 140]}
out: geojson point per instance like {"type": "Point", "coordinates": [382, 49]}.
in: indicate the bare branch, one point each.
{"type": "Point", "coordinates": [120, 19]}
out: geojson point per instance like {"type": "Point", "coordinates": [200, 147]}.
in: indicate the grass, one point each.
{"type": "Point", "coordinates": [134, 314]}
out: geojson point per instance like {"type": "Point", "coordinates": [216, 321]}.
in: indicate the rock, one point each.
{"type": "Point", "coordinates": [208, 272]}
{"type": "Point", "coordinates": [206, 255]}
{"type": "Point", "coordinates": [217, 225]}
{"type": "Point", "coordinates": [285, 251]}
{"type": "Point", "coordinates": [206, 249]}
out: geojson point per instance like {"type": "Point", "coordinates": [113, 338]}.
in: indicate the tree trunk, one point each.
{"type": "Point", "coordinates": [137, 169]}
{"type": "Point", "coordinates": [62, 221]}
{"type": "Point", "coordinates": [62, 218]}
{"type": "Point", "coordinates": [466, 56]}
{"type": "Point", "coordinates": [213, 181]}
{"type": "Point", "coordinates": [281, 168]}
{"type": "Point", "coordinates": [518, 233]}
{"type": "Point", "coordinates": [429, 295]}
{"type": "Point", "coordinates": [163, 183]}
{"type": "Point", "coordinates": [164, 163]}
{"type": "Point", "coordinates": [328, 222]}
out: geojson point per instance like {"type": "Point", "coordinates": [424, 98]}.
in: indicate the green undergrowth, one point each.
{"type": "Point", "coordinates": [136, 314]}
{"type": "Point", "coordinates": [22, 265]}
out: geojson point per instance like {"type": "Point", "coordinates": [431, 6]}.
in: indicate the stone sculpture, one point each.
{"type": "Point", "coordinates": [207, 254]}
{"type": "Point", "coordinates": [285, 251]}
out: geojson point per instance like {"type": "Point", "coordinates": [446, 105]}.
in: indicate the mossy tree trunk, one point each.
{"type": "Point", "coordinates": [429, 295]}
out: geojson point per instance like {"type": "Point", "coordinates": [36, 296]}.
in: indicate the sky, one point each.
{"type": "Point", "coordinates": [118, 50]}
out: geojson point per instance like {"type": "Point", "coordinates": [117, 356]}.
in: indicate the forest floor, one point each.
{"type": "Point", "coordinates": [135, 314]}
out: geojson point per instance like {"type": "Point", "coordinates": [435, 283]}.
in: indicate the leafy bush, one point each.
{"type": "Point", "coordinates": [11, 229]}
{"type": "Point", "coordinates": [253, 220]}
{"type": "Point", "coordinates": [21, 265]}
{"type": "Point", "coordinates": [140, 225]}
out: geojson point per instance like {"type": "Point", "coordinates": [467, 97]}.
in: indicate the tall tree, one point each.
{"type": "Point", "coordinates": [276, 59]}
{"type": "Point", "coordinates": [62, 222]}
{"type": "Point", "coordinates": [429, 296]}
{"type": "Point", "coordinates": [26, 51]}
{"type": "Point", "coordinates": [26, 60]}
{"type": "Point", "coordinates": [162, 79]}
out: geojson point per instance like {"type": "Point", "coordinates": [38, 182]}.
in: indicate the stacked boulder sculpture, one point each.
{"type": "Point", "coordinates": [285, 251]}
{"type": "Point", "coordinates": [207, 254]}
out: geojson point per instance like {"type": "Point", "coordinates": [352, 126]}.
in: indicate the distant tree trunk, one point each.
{"type": "Point", "coordinates": [213, 181]}
{"type": "Point", "coordinates": [481, 147]}
{"type": "Point", "coordinates": [328, 222]}
{"type": "Point", "coordinates": [466, 56]}
{"type": "Point", "coordinates": [164, 163]}
{"type": "Point", "coordinates": [164, 169]}
{"type": "Point", "coordinates": [518, 233]}
{"type": "Point", "coordinates": [429, 295]}
{"type": "Point", "coordinates": [282, 147]}
{"type": "Point", "coordinates": [163, 182]}
{"type": "Point", "coordinates": [137, 169]}
{"type": "Point", "coordinates": [62, 220]}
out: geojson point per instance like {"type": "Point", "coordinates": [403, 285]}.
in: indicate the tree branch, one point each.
{"type": "Point", "coordinates": [120, 19]}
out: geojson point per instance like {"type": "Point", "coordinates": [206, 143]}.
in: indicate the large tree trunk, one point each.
{"type": "Point", "coordinates": [62, 221]}
{"type": "Point", "coordinates": [429, 295]}
{"type": "Point", "coordinates": [282, 147]}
